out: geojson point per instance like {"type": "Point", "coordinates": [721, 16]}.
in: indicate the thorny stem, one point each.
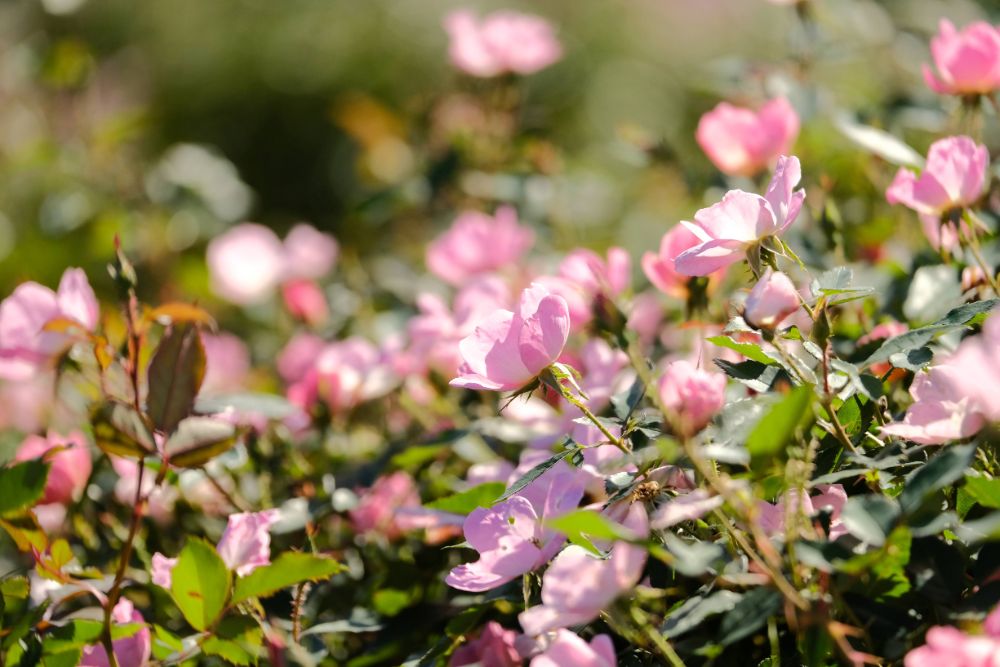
{"type": "Point", "coordinates": [616, 441]}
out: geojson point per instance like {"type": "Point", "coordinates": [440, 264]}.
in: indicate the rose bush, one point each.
{"type": "Point", "coordinates": [768, 435]}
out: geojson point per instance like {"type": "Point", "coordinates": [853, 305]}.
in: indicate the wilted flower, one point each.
{"type": "Point", "coordinates": [726, 230]}
{"type": "Point", "coordinates": [508, 350]}
{"type": "Point", "coordinates": [245, 545]}
{"type": "Point", "coordinates": [478, 243]}
{"type": "Point", "coordinates": [741, 142]}
{"type": "Point", "coordinates": [567, 648]}
{"type": "Point", "coordinates": [952, 179]}
{"type": "Point", "coordinates": [25, 346]}
{"type": "Point", "coordinates": [692, 394]}
{"type": "Point", "coordinates": [968, 62]}
{"type": "Point", "coordinates": [771, 300]}
{"type": "Point", "coordinates": [132, 650]}
{"type": "Point", "coordinates": [504, 41]}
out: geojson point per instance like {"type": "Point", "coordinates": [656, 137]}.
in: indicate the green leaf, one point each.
{"type": "Point", "coordinates": [916, 338]}
{"type": "Point", "coordinates": [199, 439]}
{"type": "Point", "coordinates": [175, 375]}
{"type": "Point", "coordinates": [694, 611]}
{"type": "Point", "coordinates": [73, 635]}
{"type": "Point", "coordinates": [271, 406]}
{"type": "Point", "coordinates": [412, 458]}
{"type": "Point", "coordinates": [946, 467]}
{"type": "Point", "coordinates": [582, 526]}
{"type": "Point", "coordinates": [200, 583]}
{"type": "Point", "coordinates": [537, 472]}
{"type": "Point", "coordinates": [289, 569]}
{"type": "Point", "coordinates": [749, 615]}
{"type": "Point", "coordinates": [751, 351]}
{"type": "Point", "coordinates": [753, 374]}
{"type": "Point", "coordinates": [772, 433]}
{"type": "Point", "coordinates": [121, 431]}
{"type": "Point", "coordinates": [984, 491]}
{"type": "Point", "coordinates": [870, 518]}
{"type": "Point", "coordinates": [463, 503]}
{"type": "Point", "coordinates": [22, 485]}
{"type": "Point", "coordinates": [229, 650]}
{"type": "Point", "coordinates": [390, 601]}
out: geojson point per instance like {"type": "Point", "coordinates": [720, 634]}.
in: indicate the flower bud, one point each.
{"type": "Point", "coordinates": [772, 299]}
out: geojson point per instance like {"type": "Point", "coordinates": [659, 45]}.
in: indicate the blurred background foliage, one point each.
{"type": "Point", "coordinates": [165, 121]}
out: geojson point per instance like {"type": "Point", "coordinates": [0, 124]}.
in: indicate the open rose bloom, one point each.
{"type": "Point", "coordinates": [967, 61]}
{"type": "Point", "coordinates": [742, 141]}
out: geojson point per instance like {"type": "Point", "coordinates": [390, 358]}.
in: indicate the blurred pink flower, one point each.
{"type": "Point", "coordinates": [771, 300]}
{"type": "Point", "coordinates": [25, 404]}
{"type": "Point", "coordinates": [692, 394]}
{"type": "Point", "coordinates": [298, 356]}
{"type": "Point", "coordinates": [246, 263]}
{"type": "Point", "coordinates": [950, 647]}
{"type": "Point", "coordinates": [162, 570]}
{"type": "Point", "coordinates": [967, 61]}
{"type": "Point", "coordinates": [494, 647]}
{"type": "Point", "coordinates": [566, 601]}
{"type": "Point", "coordinates": [725, 230]}
{"type": "Point", "coordinates": [569, 649]}
{"type": "Point", "coordinates": [249, 261]}
{"type": "Point", "coordinates": [350, 372]}
{"type": "Point", "coordinates": [70, 467]}
{"type": "Point", "coordinates": [510, 536]}
{"type": "Point", "coordinates": [227, 363]}
{"type": "Point", "coordinates": [741, 142]}
{"type": "Point", "coordinates": [685, 507]}
{"type": "Point", "coordinates": [376, 511]}
{"type": "Point", "coordinates": [478, 243]}
{"type": "Point", "coordinates": [504, 41]}
{"type": "Point", "coordinates": [309, 253]}
{"type": "Point", "coordinates": [953, 178]}
{"type": "Point", "coordinates": [831, 496]}
{"type": "Point", "coordinates": [507, 350]}
{"type": "Point", "coordinates": [25, 347]}
{"type": "Point", "coordinates": [946, 405]}
{"type": "Point", "coordinates": [245, 545]}
{"type": "Point", "coordinates": [883, 331]}
{"type": "Point", "coordinates": [305, 300]}
{"type": "Point", "coordinates": [133, 650]}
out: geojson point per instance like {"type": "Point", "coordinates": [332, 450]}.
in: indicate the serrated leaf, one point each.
{"type": "Point", "coordinates": [772, 433]}
{"type": "Point", "coordinates": [289, 569]}
{"type": "Point", "coordinates": [119, 430]}
{"type": "Point", "coordinates": [200, 583]}
{"type": "Point", "coordinates": [175, 375]}
{"type": "Point", "coordinates": [22, 485]}
{"type": "Point", "coordinates": [944, 468]}
{"type": "Point", "coordinates": [751, 351]}
{"type": "Point", "coordinates": [915, 338]}
{"type": "Point", "coordinates": [482, 495]}
{"type": "Point", "coordinates": [537, 472]}
{"type": "Point", "coordinates": [984, 491]}
{"type": "Point", "coordinates": [199, 439]}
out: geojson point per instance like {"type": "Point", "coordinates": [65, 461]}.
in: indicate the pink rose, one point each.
{"type": "Point", "coordinates": [950, 647]}
{"type": "Point", "coordinates": [968, 62]}
{"type": "Point", "coordinates": [25, 347]}
{"type": "Point", "coordinates": [245, 545]}
{"type": "Point", "coordinates": [501, 42]}
{"type": "Point", "coordinates": [132, 650]}
{"type": "Point", "coordinates": [946, 405]}
{"type": "Point", "coordinates": [70, 468]}
{"type": "Point", "coordinates": [692, 394]}
{"type": "Point", "coordinates": [494, 647]}
{"type": "Point", "coordinates": [305, 300]}
{"type": "Point", "coordinates": [741, 142]}
{"type": "Point", "coordinates": [725, 230]}
{"type": "Point", "coordinates": [569, 649]}
{"type": "Point", "coordinates": [771, 300]}
{"type": "Point", "coordinates": [659, 267]}
{"type": "Point", "coordinates": [309, 253]}
{"type": "Point", "coordinates": [510, 536]}
{"type": "Point", "coordinates": [577, 586]}
{"type": "Point", "coordinates": [350, 372]}
{"type": "Point", "coordinates": [953, 178]}
{"type": "Point", "coordinates": [477, 243]}
{"type": "Point", "coordinates": [507, 350]}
